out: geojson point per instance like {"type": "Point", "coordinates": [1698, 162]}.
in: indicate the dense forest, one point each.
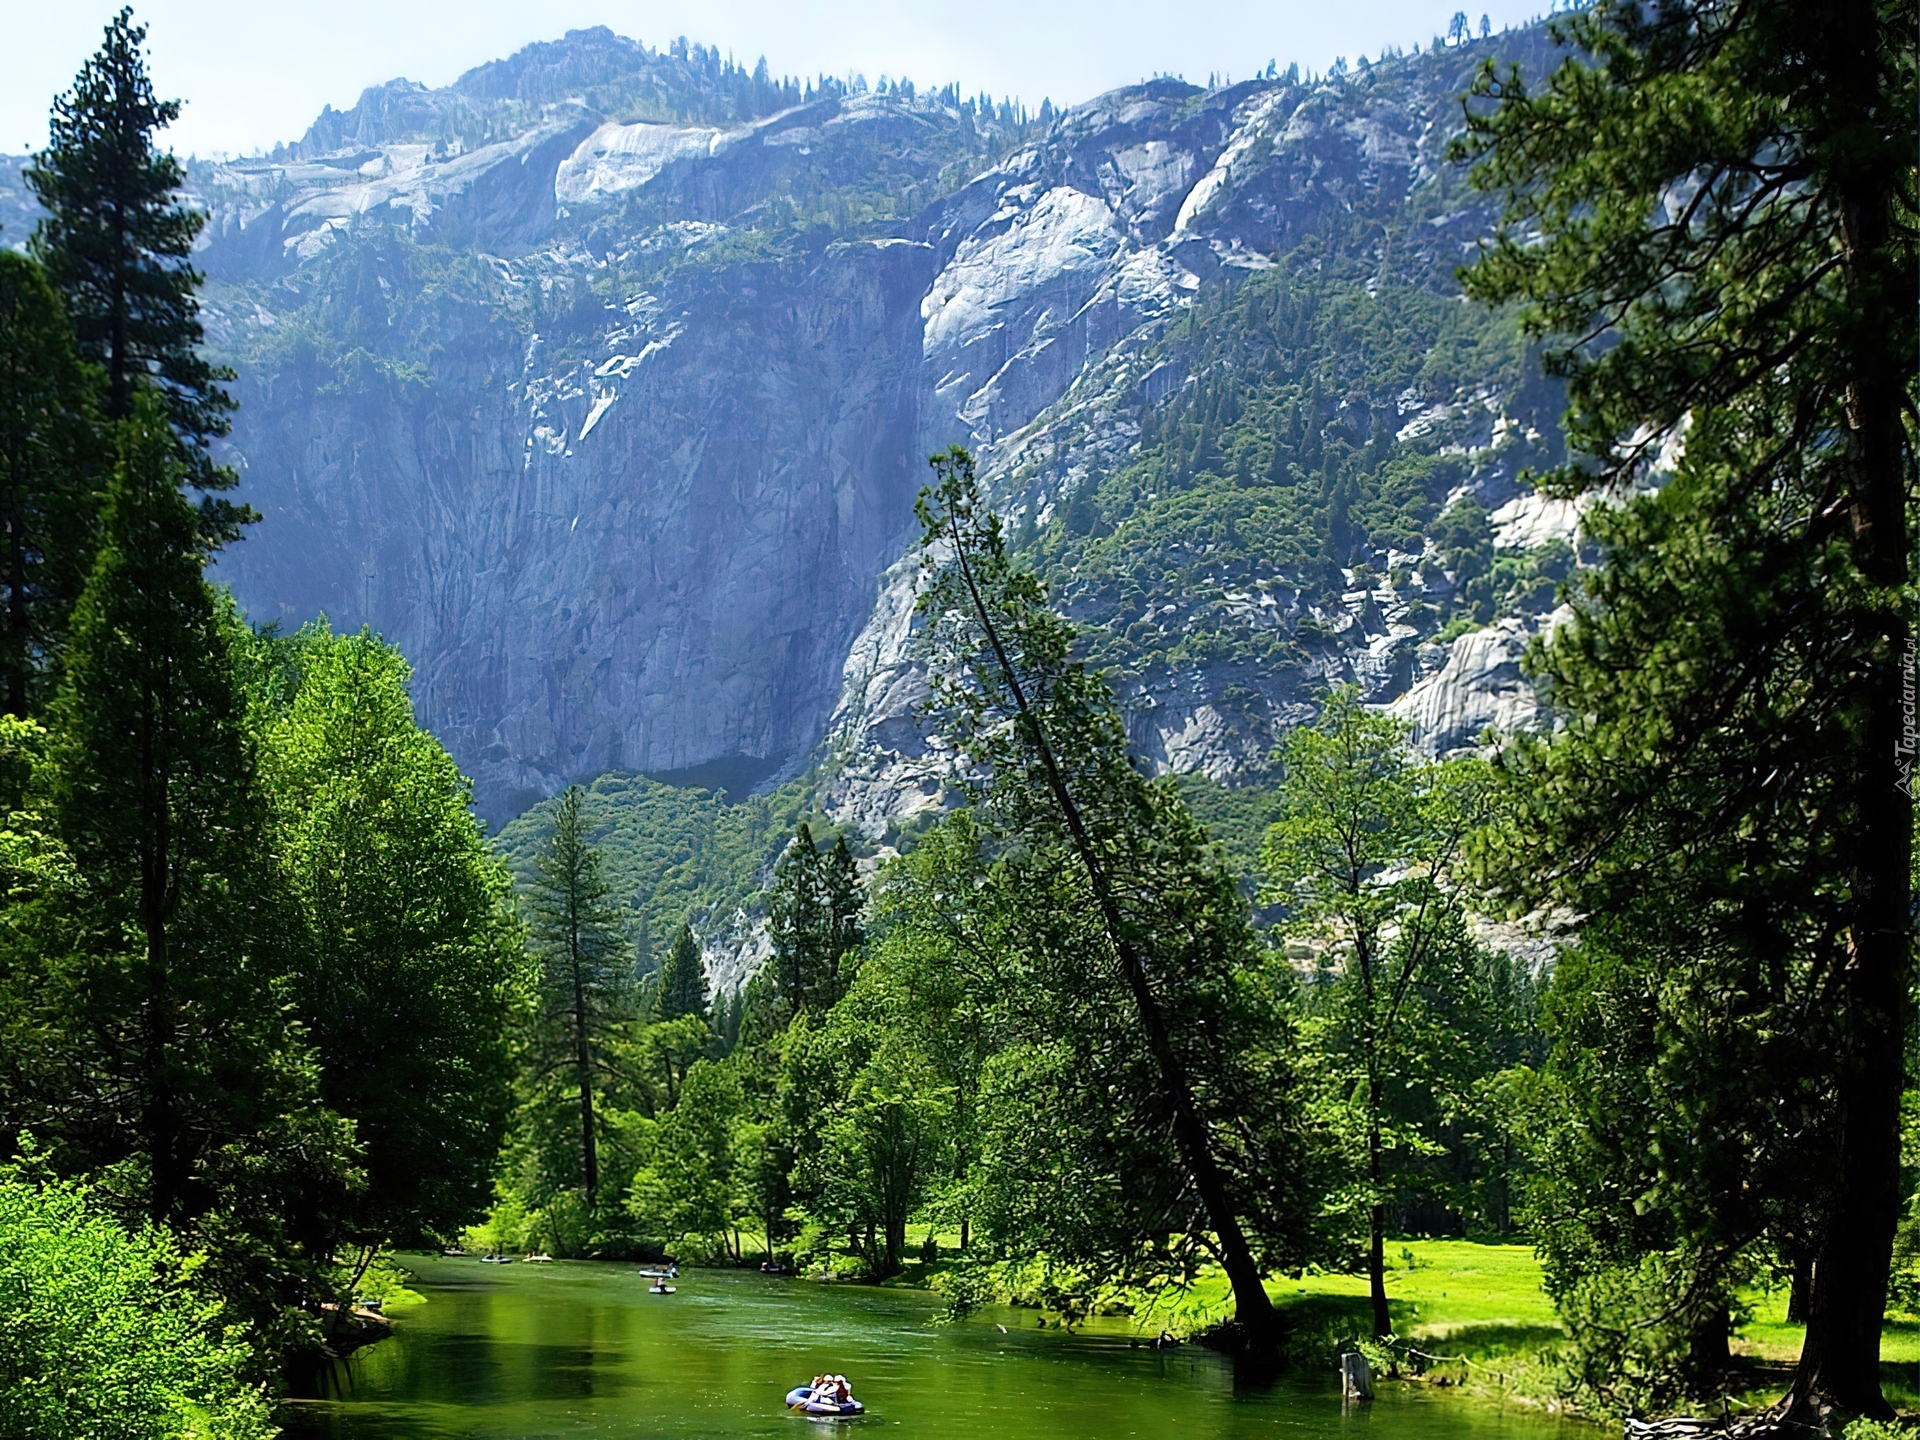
{"type": "Point", "coordinates": [275, 1008]}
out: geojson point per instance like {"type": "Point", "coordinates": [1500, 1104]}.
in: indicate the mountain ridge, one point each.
{"type": "Point", "coordinates": [600, 382]}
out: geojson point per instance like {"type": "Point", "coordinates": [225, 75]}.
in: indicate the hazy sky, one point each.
{"type": "Point", "coordinates": [255, 72]}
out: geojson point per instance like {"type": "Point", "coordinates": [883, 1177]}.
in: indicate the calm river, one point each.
{"type": "Point", "coordinates": [519, 1352]}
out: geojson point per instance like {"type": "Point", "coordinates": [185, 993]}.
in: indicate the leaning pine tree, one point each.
{"type": "Point", "coordinates": [1710, 217]}
{"type": "Point", "coordinates": [1158, 931]}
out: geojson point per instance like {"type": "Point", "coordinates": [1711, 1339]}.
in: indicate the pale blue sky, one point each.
{"type": "Point", "coordinates": [255, 72]}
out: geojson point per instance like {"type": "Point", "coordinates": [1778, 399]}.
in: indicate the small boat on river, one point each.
{"type": "Point", "coordinates": [825, 1400]}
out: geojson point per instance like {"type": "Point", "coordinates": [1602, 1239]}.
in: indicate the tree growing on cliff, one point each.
{"type": "Point", "coordinates": [1709, 213]}
{"type": "Point", "coordinates": [117, 243]}
{"type": "Point", "coordinates": [585, 985]}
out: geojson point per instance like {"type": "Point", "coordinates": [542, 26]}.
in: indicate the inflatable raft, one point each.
{"type": "Point", "coordinates": [798, 1399]}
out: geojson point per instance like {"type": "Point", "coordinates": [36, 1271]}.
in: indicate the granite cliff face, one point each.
{"type": "Point", "coordinates": [601, 382]}
{"type": "Point", "coordinates": [1108, 324]}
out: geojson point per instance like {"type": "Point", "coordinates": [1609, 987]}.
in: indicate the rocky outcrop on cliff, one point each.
{"type": "Point", "coordinates": [1091, 297]}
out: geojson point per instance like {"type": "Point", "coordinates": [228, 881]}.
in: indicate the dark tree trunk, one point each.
{"type": "Point", "coordinates": [17, 612]}
{"type": "Point", "coordinates": [966, 1232]}
{"type": "Point", "coordinates": [583, 1062]}
{"type": "Point", "coordinates": [1800, 1292]}
{"type": "Point", "coordinates": [160, 1120]}
{"type": "Point", "coordinates": [1840, 1362]}
{"type": "Point", "coordinates": [1377, 1228]}
{"type": "Point", "coordinates": [1708, 1355]}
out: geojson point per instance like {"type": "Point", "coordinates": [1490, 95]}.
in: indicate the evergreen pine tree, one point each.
{"type": "Point", "coordinates": [683, 979]}
{"type": "Point", "coordinates": [117, 241]}
{"type": "Point", "coordinates": [48, 437]}
{"type": "Point", "coordinates": [1150, 939]}
{"type": "Point", "coordinates": [813, 918]}
{"type": "Point", "coordinates": [190, 1085]}
{"type": "Point", "coordinates": [586, 993]}
{"type": "Point", "coordinates": [1709, 211]}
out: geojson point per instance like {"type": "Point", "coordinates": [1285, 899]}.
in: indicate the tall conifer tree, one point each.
{"type": "Point", "coordinates": [1710, 212]}
{"type": "Point", "coordinates": [585, 972]}
{"type": "Point", "coordinates": [189, 1085]}
{"type": "Point", "coordinates": [813, 918]}
{"type": "Point", "coordinates": [117, 243]}
{"type": "Point", "coordinates": [683, 979]}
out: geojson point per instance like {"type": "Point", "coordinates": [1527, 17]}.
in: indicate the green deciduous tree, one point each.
{"type": "Point", "coordinates": [660, 1056]}
{"type": "Point", "coordinates": [866, 1115]}
{"type": "Point", "coordinates": [1709, 215]}
{"type": "Point", "coordinates": [410, 955]}
{"type": "Point", "coordinates": [686, 1186]}
{"type": "Point", "coordinates": [943, 980]}
{"type": "Point", "coordinates": [117, 243]}
{"type": "Point", "coordinates": [48, 456]}
{"type": "Point", "coordinates": [1362, 858]}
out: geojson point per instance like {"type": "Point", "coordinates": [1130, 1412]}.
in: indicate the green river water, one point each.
{"type": "Point", "coordinates": [554, 1352]}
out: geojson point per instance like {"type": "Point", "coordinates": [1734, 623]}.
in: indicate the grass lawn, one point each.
{"type": "Point", "coordinates": [1442, 1289]}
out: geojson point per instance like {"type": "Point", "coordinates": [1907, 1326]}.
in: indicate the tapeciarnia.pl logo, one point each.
{"type": "Point", "coordinates": [1903, 751]}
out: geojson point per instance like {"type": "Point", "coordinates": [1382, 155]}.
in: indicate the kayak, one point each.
{"type": "Point", "coordinates": [797, 1400]}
